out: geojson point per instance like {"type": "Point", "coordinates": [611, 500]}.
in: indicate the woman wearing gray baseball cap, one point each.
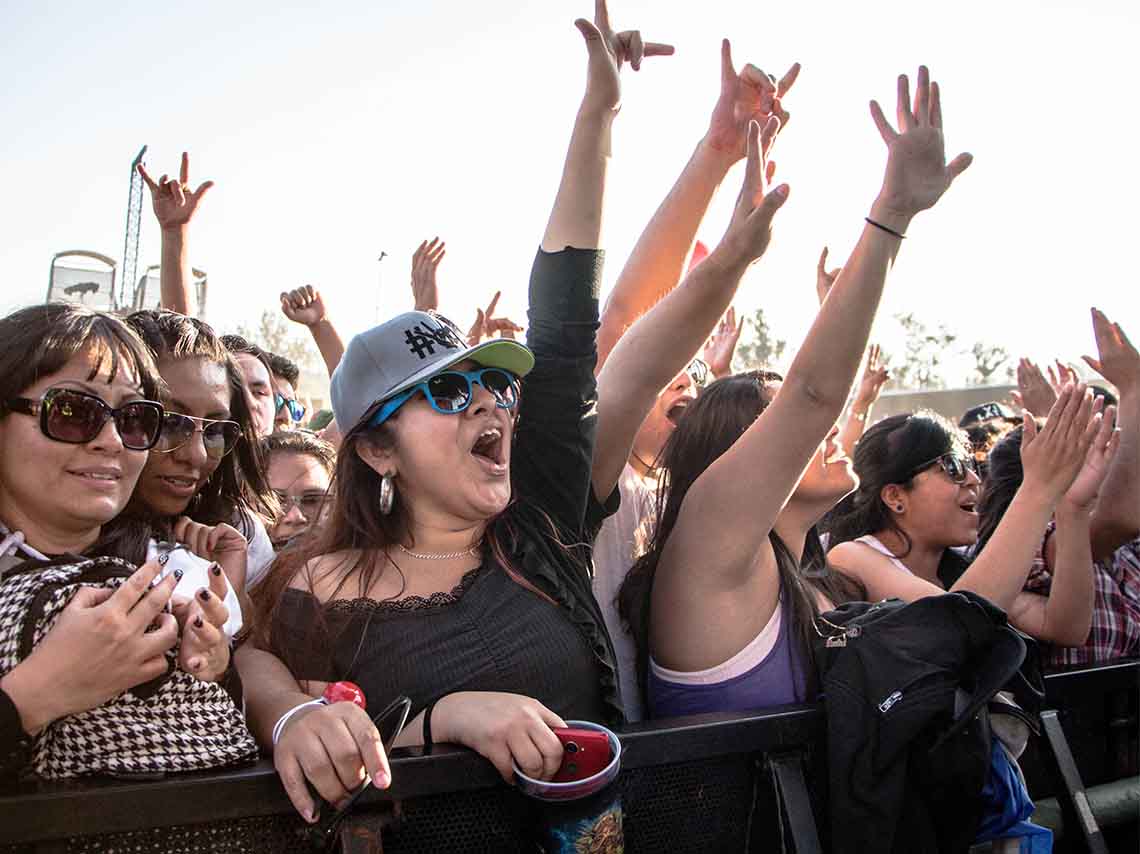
{"type": "Point", "coordinates": [454, 566]}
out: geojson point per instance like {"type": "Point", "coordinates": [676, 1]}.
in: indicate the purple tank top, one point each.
{"type": "Point", "coordinates": [777, 680]}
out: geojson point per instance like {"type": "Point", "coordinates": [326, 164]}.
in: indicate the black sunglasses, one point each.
{"type": "Point", "coordinates": [296, 410]}
{"type": "Point", "coordinates": [218, 437]}
{"type": "Point", "coordinates": [76, 417]}
{"type": "Point", "coordinates": [957, 468]}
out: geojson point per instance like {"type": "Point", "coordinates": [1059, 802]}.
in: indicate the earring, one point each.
{"type": "Point", "coordinates": [899, 508]}
{"type": "Point", "coordinates": [387, 494]}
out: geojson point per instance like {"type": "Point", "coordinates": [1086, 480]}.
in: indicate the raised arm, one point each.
{"type": "Point", "coordinates": [659, 259]}
{"type": "Point", "coordinates": [174, 206]}
{"type": "Point", "coordinates": [1116, 518]}
{"type": "Point", "coordinates": [576, 219]}
{"type": "Point", "coordinates": [306, 306]}
{"type": "Point", "coordinates": [660, 344]}
{"type": "Point", "coordinates": [737, 512]}
{"type": "Point", "coordinates": [875, 375]}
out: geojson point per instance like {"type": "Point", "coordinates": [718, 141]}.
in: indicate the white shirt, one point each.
{"type": "Point", "coordinates": [615, 550]}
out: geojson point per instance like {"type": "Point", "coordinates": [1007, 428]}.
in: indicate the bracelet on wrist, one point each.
{"type": "Point", "coordinates": [887, 229]}
{"type": "Point", "coordinates": [427, 727]}
{"type": "Point", "coordinates": [279, 727]}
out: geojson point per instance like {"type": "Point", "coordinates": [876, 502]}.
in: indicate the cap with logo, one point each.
{"type": "Point", "coordinates": [985, 412]}
{"type": "Point", "coordinates": [409, 348]}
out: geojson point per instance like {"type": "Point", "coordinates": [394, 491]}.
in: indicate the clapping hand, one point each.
{"type": "Point", "coordinates": [875, 376]}
{"type": "Point", "coordinates": [824, 279]}
{"type": "Point", "coordinates": [608, 52]}
{"type": "Point", "coordinates": [721, 346]}
{"type": "Point", "coordinates": [173, 202]}
{"type": "Point", "coordinates": [1052, 457]}
{"type": "Point", "coordinates": [748, 96]}
{"type": "Point", "coordinates": [486, 324]}
{"type": "Point", "coordinates": [917, 173]}
{"type": "Point", "coordinates": [1085, 490]}
{"type": "Point", "coordinates": [303, 305]}
{"type": "Point", "coordinates": [424, 263]}
{"type": "Point", "coordinates": [1119, 363]}
{"type": "Point", "coordinates": [1034, 392]}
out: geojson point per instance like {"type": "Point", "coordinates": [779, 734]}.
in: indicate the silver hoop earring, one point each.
{"type": "Point", "coordinates": [387, 494]}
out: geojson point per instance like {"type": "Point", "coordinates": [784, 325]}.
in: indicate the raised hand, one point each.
{"type": "Point", "coordinates": [750, 229]}
{"type": "Point", "coordinates": [487, 325]}
{"type": "Point", "coordinates": [721, 346]}
{"type": "Point", "coordinates": [1052, 457]}
{"type": "Point", "coordinates": [1034, 392]}
{"type": "Point", "coordinates": [303, 305]}
{"type": "Point", "coordinates": [608, 52]}
{"type": "Point", "coordinates": [1059, 374]}
{"type": "Point", "coordinates": [824, 279]}
{"type": "Point", "coordinates": [875, 376]}
{"type": "Point", "coordinates": [748, 96]}
{"type": "Point", "coordinates": [917, 173]}
{"type": "Point", "coordinates": [173, 202]}
{"type": "Point", "coordinates": [205, 649]}
{"type": "Point", "coordinates": [424, 263]}
{"type": "Point", "coordinates": [1119, 363]}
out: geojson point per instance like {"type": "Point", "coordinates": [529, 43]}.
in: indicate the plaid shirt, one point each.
{"type": "Point", "coordinates": [1116, 608]}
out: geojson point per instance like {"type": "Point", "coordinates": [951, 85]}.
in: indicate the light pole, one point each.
{"type": "Point", "coordinates": [379, 282]}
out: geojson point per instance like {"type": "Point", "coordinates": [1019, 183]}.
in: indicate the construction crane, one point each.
{"type": "Point", "coordinates": [125, 300]}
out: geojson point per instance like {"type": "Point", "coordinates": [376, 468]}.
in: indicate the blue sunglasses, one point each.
{"type": "Point", "coordinates": [296, 410]}
{"type": "Point", "coordinates": [450, 392]}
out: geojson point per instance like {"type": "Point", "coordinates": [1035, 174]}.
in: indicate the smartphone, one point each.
{"type": "Point", "coordinates": [585, 752]}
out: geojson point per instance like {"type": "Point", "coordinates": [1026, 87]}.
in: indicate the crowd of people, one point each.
{"type": "Point", "coordinates": [604, 523]}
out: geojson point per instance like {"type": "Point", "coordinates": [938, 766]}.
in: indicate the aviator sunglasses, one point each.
{"type": "Point", "coordinates": [296, 410]}
{"type": "Point", "coordinates": [957, 468]}
{"type": "Point", "coordinates": [450, 392]}
{"type": "Point", "coordinates": [76, 417]}
{"type": "Point", "coordinates": [218, 437]}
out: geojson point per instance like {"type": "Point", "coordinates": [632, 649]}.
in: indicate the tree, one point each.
{"type": "Point", "coordinates": [758, 349]}
{"type": "Point", "coordinates": [988, 360]}
{"type": "Point", "coordinates": [275, 334]}
{"type": "Point", "coordinates": [923, 354]}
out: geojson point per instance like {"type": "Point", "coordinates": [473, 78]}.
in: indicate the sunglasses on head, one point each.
{"type": "Point", "coordinates": [218, 437]}
{"type": "Point", "coordinates": [957, 468]}
{"type": "Point", "coordinates": [450, 392]}
{"type": "Point", "coordinates": [296, 410]}
{"type": "Point", "coordinates": [76, 417]}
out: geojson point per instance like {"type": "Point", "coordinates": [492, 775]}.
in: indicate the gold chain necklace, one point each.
{"type": "Point", "coordinates": [474, 550]}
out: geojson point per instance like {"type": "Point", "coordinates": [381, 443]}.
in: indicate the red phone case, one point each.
{"type": "Point", "coordinates": [585, 753]}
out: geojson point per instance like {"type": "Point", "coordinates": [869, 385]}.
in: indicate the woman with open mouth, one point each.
{"type": "Point", "coordinates": [454, 565]}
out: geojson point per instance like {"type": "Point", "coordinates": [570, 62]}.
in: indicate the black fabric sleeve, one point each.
{"type": "Point", "coordinates": [554, 444]}
{"type": "Point", "coordinates": [15, 744]}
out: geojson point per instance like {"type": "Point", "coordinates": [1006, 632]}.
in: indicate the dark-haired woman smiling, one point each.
{"type": "Point", "coordinates": [77, 418]}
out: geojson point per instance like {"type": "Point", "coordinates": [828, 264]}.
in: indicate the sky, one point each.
{"type": "Point", "coordinates": [335, 132]}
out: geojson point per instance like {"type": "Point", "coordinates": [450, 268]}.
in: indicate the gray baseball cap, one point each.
{"type": "Point", "coordinates": [409, 348]}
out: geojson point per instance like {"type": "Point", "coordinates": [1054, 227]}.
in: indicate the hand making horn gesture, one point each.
{"type": "Point", "coordinates": [917, 173]}
{"type": "Point", "coordinates": [608, 52]}
{"type": "Point", "coordinates": [174, 204]}
{"type": "Point", "coordinates": [750, 95]}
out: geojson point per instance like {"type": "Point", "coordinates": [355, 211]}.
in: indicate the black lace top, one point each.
{"type": "Point", "coordinates": [490, 633]}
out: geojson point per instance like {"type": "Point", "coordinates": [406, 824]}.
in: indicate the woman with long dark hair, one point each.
{"type": "Point", "coordinates": [453, 566]}
{"type": "Point", "coordinates": [900, 534]}
{"type": "Point", "coordinates": [206, 472]}
{"type": "Point", "coordinates": [79, 412]}
{"type": "Point", "coordinates": [720, 603]}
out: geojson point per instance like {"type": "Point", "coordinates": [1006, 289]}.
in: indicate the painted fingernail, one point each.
{"type": "Point", "coordinates": [204, 595]}
{"type": "Point", "coordinates": [163, 558]}
{"type": "Point", "coordinates": [310, 815]}
{"type": "Point", "coordinates": [198, 622]}
{"type": "Point", "coordinates": [196, 664]}
{"type": "Point", "coordinates": [178, 574]}
{"type": "Point", "coordinates": [216, 568]}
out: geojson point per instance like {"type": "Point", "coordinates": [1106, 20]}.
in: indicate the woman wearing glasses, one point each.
{"type": "Point", "coordinates": [78, 414]}
{"type": "Point", "coordinates": [206, 470]}
{"type": "Point", "coordinates": [453, 567]}
{"type": "Point", "coordinates": [902, 533]}
{"type": "Point", "coordinates": [299, 468]}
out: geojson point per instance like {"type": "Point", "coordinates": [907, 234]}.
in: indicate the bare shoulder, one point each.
{"type": "Point", "coordinates": [852, 556]}
{"type": "Point", "coordinates": [324, 575]}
